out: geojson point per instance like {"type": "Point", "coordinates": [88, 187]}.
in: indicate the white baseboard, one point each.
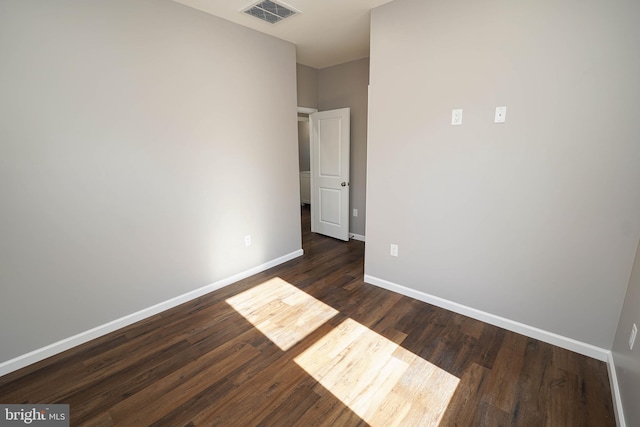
{"type": "Point", "coordinates": [615, 390]}
{"type": "Point", "coordinates": [511, 325]}
{"type": "Point", "coordinates": [83, 337]}
{"type": "Point", "coordinates": [530, 331]}
{"type": "Point", "coordinates": [359, 237]}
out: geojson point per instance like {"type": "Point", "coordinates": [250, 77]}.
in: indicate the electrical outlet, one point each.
{"type": "Point", "coordinates": [456, 117]}
{"type": "Point", "coordinates": [632, 338]}
{"type": "Point", "coordinates": [501, 114]}
{"type": "Point", "coordinates": [394, 250]}
{"type": "Point", "coordinates": [247, 240]}
{"type": "Point", "coordinates": [355, 212]}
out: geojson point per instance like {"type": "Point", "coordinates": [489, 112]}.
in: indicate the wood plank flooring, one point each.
{"type": "Point", "coordinates": [309, 343]}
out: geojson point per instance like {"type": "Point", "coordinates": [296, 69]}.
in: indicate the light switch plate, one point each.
{"type": "Point", "coordinates": [456, 117]}
{"type": "Point", "coordinates": [501, 114]}
{"type": "Point", "coordinates": [632, 338]}
{"type": "Point", "coordinates": [394, 250]}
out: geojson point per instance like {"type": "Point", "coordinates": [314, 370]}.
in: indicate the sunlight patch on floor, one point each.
{"type": "Point", "coordinates": [381, 382]}
{"type": "Point", "coordinates": [282, 312]}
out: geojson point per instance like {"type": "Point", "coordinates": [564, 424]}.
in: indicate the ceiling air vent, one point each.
{"type": "Point", "coordinates": [270, 11]}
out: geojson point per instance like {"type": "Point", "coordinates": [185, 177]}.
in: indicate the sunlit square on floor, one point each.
{"type": "Point", "coordinates": [380, 381]}
{"type": "Point", "coordinates": [282, 312]}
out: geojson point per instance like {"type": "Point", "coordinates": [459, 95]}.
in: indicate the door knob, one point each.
{"type": "Point", "coordinates": [344, 184]}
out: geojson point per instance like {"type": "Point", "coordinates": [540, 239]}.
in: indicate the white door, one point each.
{"type": "Point", "coordinates": [330, 149]}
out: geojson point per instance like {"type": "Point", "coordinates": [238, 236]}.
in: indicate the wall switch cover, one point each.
{"type": "Point", "coordinates": [355, 212]}
{"type": "Point", "coordinates": [394, 250]}
{"type": "Point", "coordinates": [632, 338]}
{"type": "Point", "coordinates": [247, 240]}
{"type": "Point", "coordinates": [456, 117]}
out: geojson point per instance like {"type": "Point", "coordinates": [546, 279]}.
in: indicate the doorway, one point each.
{"type": "Point", "coordinates": [324, 163]}
{"type": "Point", "coordinates": [304, 167]}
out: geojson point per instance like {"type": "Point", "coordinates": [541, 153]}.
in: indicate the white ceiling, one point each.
{"type": "Point", "coordinates": [326, 32]}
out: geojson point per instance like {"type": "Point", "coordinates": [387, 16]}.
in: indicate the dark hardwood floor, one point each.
{"type": "Point", "coordinates": [309, 343]}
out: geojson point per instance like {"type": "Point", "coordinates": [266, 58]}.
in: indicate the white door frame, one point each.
{"type": "Point", "coordinates": [307, 110]}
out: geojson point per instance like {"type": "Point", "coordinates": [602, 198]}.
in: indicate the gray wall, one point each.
{"type": "Point", "coordinates": [137, 149]}
{"type": "Point", "coordinates": [535, 220]}
{"type": "Point", "coordinates": [307, 86]}
{"type": "Point", "coordinates": [347, 85]}
{"type": "Point", "coordinates": [304, 148]}
{"type": "Point", "coordinates": [628, 361]}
